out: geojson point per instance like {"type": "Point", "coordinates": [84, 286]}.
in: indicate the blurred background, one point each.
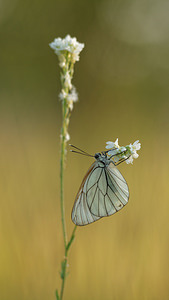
{"type": "Point", "coordinates": [122, 81]}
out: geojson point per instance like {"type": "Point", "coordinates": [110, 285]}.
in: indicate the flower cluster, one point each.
{"type": "Point", "coordinates": [121, 153]}
{"type": "Point", "coordinates": [67, 50]}
{"type": "Point", "coordinates": [68, 44]}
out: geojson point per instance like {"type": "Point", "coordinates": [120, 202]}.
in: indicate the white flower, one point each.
{"type": "Point", "coordinates": [72, 97]}
{"type": "Point", "coordinates": [67, 44]}
{"type": "Point", "coordinates": [132, 151]}
{"type": "Point", "coordinates": [67, 137]}
{"type": "Point", "coordinates": [136, 145]}
{"type": "Point", "coordinates": [126, 153]}
{"type": "Point", "coordinates": [122, 149]}
{"type": "Point", "coordinates": [63, 95]}
{"type": "Point", "coordinates": [112, 145]}
{"type": "Point", "coordinates": [73, 47]}
{"type": "Point", "coordinates": [57, 45]}
{"type": "Point", "coordinates": [67, 80]}
{"type": "Point", "coordinates": [129, 160]}
{"type": "Point", "coordinates": [69, 97]}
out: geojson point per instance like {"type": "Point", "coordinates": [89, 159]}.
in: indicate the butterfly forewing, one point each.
{"type": "Point", "coordinates": [102, 193]}
{"type": "Point", "coordinates": [81, 214]}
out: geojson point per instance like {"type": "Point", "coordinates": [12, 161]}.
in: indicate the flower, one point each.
{"type": "Point", "coordinates": [63, 94]}
{"type": "Point", "coordinates": [67, 137]}
{"type": "Point", "coordinates": [67, 50]}
{"type": "Point", "coordinates": [67, 80]}
{"type": "Point", "coordinates": [115, 150]}
{"type": "Point", "coordinates": [133, 151]}
{"type": "Point", "coordinates": [72, 97]}
{"type": "Point", "coordinates": [121, 153]}
{"type": "Point", "coordinates": [129, 160]}
{"type": "Point", "coordinates": [67, 44]}
{"type": "Point", "coordinates": [136, 145]}
{"type": "Point", "coordinates": [112, 145]}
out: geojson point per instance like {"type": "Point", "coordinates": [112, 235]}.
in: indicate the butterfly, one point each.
{"type": "Point", "coordinates": [103, 191]}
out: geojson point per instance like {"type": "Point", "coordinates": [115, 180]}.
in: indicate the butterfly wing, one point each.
{"type": "Point", "coordinates": [118, 186]}
{"type": "Point", "coordinates": [102, 193]}
{"type": "Point", "coordinates": [81, 214]}
{"type": "Point", "coordinates": [109, 193]}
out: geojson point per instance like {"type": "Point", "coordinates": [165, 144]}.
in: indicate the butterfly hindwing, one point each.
{"type": "Point", "coordinates": [109, 193]}
{"type": "Point", "coordinates": [118, 184]}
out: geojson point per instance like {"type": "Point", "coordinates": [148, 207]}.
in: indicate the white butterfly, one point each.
{"type": "Point", "coordinates": [102, 193]}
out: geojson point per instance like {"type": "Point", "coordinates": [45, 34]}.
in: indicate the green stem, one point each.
{"type": "Point", "coordinates": [63, 148]}
{"type": "Point", "coordinates": [62, 160]}
{"type": "Point", "coordinates": [64, 263]}
{"type": "Point", "coordinates": [65, 120]}
{"type": "Point", "coordinates": [64, 266]}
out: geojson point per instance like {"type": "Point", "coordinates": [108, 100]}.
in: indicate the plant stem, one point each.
{"type": "Point", "coordinates": [62, 160]}
{"type": "Point", "coordinates": [62, 188]}
{"type": "Point", "coordinates": [64, 275]}
{"type": "Point", "coordinates": [64, 266]}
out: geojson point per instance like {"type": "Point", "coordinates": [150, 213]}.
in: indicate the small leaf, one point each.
{"type": "Point", "coordinates": [57, 295]}
{"type": "Point", "coordinates": [70, 242]}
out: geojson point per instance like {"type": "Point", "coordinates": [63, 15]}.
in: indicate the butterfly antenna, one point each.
{"type": "Point", "coordinates": [78, 149]}
{"type": "Point", "coordinates": [81, 151]}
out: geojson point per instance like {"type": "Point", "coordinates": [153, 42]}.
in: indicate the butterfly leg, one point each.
{"type": "Point", "coordinates": [121, 160]}
{"type": "Point", "coordinates": [117, 154]}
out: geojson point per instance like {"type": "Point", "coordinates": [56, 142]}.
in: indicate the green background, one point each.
{"type": "Point", "coordinates": [122, 82]}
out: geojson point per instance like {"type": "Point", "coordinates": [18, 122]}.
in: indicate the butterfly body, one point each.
{"type": "Point", "coordinates": [102, 193]}
{"type": "Point", "coordinates": [102, 157]}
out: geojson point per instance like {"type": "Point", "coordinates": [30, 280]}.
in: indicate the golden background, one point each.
{"type": "Point", "coordinates": [122, 80]}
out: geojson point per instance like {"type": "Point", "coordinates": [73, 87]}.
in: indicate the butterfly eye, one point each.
{"type": "Point", "coordinates": [97, 155]}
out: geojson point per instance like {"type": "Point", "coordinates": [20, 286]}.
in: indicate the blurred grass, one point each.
{"type": "Point", "coordinates": [122, 257]}
{"type": "Point", "coordinates": [123, 88]}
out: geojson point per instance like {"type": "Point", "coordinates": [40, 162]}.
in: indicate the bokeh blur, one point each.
{"type": "Point", "coordinates": [122, 80]}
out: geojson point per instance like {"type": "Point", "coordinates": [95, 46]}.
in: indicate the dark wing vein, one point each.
{"type": "Point", "coordinates": [81, 214]}
{"type": "Point", "coordinates": [103, 192]}
{"type": "Point", "coordinates": [112, 198]}
{"type": "Point", "coordinates": [118, 176]}
{"type": "Point", "coordinates": [115, 191]}
{"type": "Point", "coordinates": [96, 189]}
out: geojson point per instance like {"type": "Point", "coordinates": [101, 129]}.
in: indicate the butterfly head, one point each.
{"type": "Point", "coordinates": [97, 156]}
{"type": "Point", "coordinates": [102, 157]}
